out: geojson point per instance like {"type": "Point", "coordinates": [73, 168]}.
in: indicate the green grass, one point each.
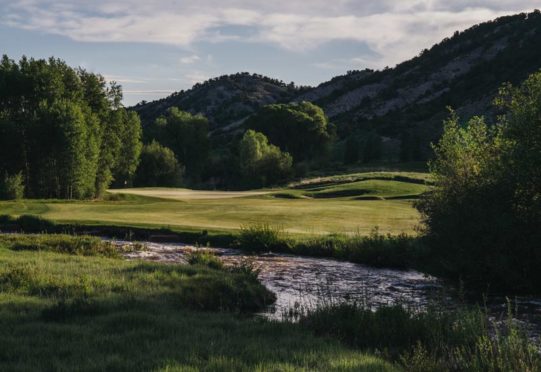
{"type": "Point", "coordinates": [75, 245]}
{"type": "Point", "coordinates": [437, 339]}
{"type": "Point", "coordinates": [69, 312]}
{"type": "Point", "coordinates": [299, 209]}
{"type": "Point", "coordinates": [397, 251]}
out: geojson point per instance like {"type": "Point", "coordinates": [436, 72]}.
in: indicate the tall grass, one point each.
{"type": "Point", "coordinates": [436, 339]}
{"type": "Point", "coordinates": [263, 237]}
{"type": "Point", "coordinates": [68, 244]}
{"type": "Point", "coordinates": [397, 251]}
{"type": "Point", "coordinates": [69, 312]}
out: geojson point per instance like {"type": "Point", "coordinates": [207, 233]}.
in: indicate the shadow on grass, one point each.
{"type": "Point", "coordinates": [151, 335]}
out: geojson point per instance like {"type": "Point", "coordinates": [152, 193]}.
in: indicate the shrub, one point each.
{"type": "Point", "coordinates": [482, 218]}
{"type": "Point", "coordinates": [263, 237]}
{"type": "Point", "coordinates": [398, 251]}
{"type": "Point", "coordinates": [205, 258]}
{"type": "Point", "coordinates": [12, 187]}
{"type": "Point", "coordinates": [226, 292]}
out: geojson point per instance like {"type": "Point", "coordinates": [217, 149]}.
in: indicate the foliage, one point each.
{"type": "Point", "coordinates": [301, 129]}
{"type": "Point", "coordinates": [187, 136]}
{"type": "Point", "coordinates": [397, 251]}
{"type": "Point", "coordinates": [262, 163]}
{"type": "Point", "coordinates": [158, 167]}
{"type": "Point", "coordinates": [435, 339]}
{"type": "Point", "coordinates": [205, 258]}
{"type": "Point", "coordinates": [364, 148]}
{"type": "Point", "coordinates": [63, 129]}
{"type": "Point", "coordinates": [12, 187]}
{"type": "Point", "coordinates": [484, 215]}
{"type": "Point", "coordinates": [262, 238]}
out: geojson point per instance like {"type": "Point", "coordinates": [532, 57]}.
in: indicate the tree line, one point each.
{"type": "Point", "coordinates": [65, 134]}
{"type": "Point", "coordinates": [63, 131]}
{"type": "Point", "coordinates": [266, 150]}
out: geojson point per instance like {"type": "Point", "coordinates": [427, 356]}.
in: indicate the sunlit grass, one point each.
{"type": "Point", "coordinates": [66, 312]}
{"type": "Point", "coordinates": [305, 214]}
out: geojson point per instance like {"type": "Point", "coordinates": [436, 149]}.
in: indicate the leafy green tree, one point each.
{"type": "Point", "coordinates": [158, 167]}
{"type": "Point", "coordinates": [482, 218]}
{"type": "Point", "coordinates": [127, 159]}
{"type": "Point", "coordinates": [262, 163]}
{"type": "Point", "coordinates": [64, 129]}
{"type": "Point", "coordinates": [64, 152]}
{"type": "Point", "coordinates": [522, 131]}
{"type": "Point", "coordinates": [187, 136]}
{"type": "Point", "coordinates": [11, 187]}
{"type": "Point", "coordinates": [301, 129]}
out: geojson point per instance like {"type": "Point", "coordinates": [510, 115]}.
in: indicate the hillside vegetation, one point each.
{"type": "Point", "coordinates": [404, 105]}
{"type": "Point", "coordinates": [224, 100]}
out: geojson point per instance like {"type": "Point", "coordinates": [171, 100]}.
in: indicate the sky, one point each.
{"type": "Point", "coordinates": [155, 47]}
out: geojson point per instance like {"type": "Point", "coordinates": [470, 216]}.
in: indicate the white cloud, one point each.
{"type": "Point", "coordinates": [188, 60]}
{"type": "Point", "coordinates": [393, 29]}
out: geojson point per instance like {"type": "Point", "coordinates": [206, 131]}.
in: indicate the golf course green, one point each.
{"type": "Point", "coordinates": [354, 203]}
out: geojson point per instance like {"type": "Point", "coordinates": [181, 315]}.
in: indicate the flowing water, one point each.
{"type": "Point", "coordinates": [301, 282]}
{"type": "Point", "coordinates": [305, 282]}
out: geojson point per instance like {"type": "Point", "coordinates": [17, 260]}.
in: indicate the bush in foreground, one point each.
{"type": "Point", "coordinates": [482, 218]}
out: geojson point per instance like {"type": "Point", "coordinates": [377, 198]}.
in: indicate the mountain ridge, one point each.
{"type": "Point", "coordinates": [463, 71]}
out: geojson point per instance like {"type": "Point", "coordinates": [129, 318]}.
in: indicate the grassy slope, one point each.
{"type": "Point", "coordinates": [138, 321]}
{"type": "Point", "coordinates": [326, 205]}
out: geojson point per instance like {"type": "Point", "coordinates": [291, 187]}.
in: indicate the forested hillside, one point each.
{"type": "Point", "coordinates": [403, 106]}
{"type": "Point", "coordinates": [225, 100]}
{"type": "Point", "coordinates": [409, 102]}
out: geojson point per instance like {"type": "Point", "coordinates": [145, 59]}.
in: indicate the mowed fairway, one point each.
{"type": "Point", "coordinates": [187, 194]}
{"type": "Point", "coordinates": [307, 209]}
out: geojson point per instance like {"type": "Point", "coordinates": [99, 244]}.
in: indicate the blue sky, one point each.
{"type": "Point", "coordinates": [156, 47]}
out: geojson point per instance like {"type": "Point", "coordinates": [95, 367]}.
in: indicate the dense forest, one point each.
{"type": "Point", "coordinates": [63, 131]}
